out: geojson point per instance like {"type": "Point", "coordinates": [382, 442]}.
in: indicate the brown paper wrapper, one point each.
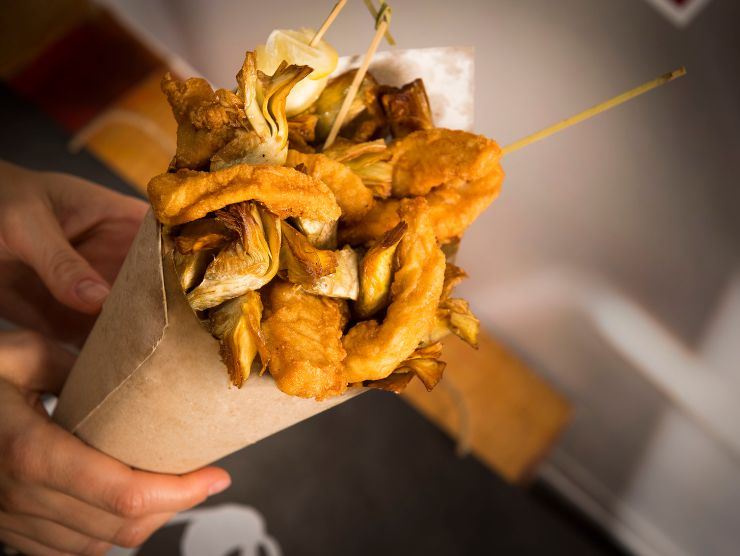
{"type": "Point", "coordinates": [149, 387]}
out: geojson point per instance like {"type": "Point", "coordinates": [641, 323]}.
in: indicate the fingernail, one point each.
{"type": "Point", "coordinates": [92, 292]}
{"type": "Point", "coordinates": [219, 486]}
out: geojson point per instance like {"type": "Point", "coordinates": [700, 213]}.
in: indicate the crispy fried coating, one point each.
{"type": "Point", "coordinates": [187, 195]}
{"type": "Point", "coordinates": [304, 332]}
{"type": "Point", "coordinates": [407, 108]}
{"type": "Point", "coordinates": [207, 120]}
{"type": "Point", "coordinates": [353, 197]}
{"type": "Point", "coordinates": [429, 158]}
{"type": "Point", "coordinates": [458, 174]}
{"type": "Point", "coordinates": [374, 350]}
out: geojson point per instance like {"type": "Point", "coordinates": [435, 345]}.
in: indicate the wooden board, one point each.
{"type": "Point", "coordinates": [492, 403]}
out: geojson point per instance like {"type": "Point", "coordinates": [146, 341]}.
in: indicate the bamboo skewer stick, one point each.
{"type": "Point", "coordinates": [593, 111]}
{"type": "Point", "coordinates": [327, 22]}
{"type": "Point", "coordinates": [384, 19]}
{"type": "Point", "coordinates": [373, 12]}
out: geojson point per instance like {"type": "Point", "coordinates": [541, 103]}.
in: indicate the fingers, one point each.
{"type": "Point", "coordinates": [32, 362]}
{"type": "Point", "coordinates": [52, 535]}
{"type": "Point", "coordinates": [26, 545]}
{"type": "Point", "coordinates": [37, 239]}
{"type": "Point", "coordinates": [88, 475]}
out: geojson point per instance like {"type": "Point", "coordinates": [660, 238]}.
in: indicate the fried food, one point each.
{"type": "Point", "coordinates": [206, 120]}
{"type": "Point", "coordinates": [187, 195]}
{"type": "Point", "coordinates": [376, 272]}
{"type": "Point", "coordinates": [368, 160]}
{"type": "Point", "coordinates": [344, 281]}
{"type": "Point", "coordinates": [407, 108]}
{"type": "Point", "coordinates": [191, 267]}
{"type": "Point", "coordinates": [247, 263]}
{"type": "Point", "coordinates": [458, 174]}
{"type": "Point", "coordinates": [236, 324]}
{"type": "Point", "coordinates": [424, 363]}
{"type": "Point", "coordinates": [301, 132]}
{"type": "Point", "coordinates": [206, 233]}
{"type": "Point", "coordinates": [304, 335]}
{"type": "Point", "coordinates": [365, 118]}
{"type": "Point", "coordinates": [374, 350]}
{"type": "Point", "coordinates": [303, 263]}
{"type": "Point", "coordinates": [352, 196]}
{"type": "Point", "coordinates": [322, 235]}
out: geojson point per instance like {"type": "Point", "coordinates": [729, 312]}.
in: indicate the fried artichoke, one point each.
{"type": "Point", "coordinates": [301, 262]}
{"type": "Point", "coordinates": [407, 108]}
{"type": "Point", "coordinates": [236, 324]}
{"type": "Point", "coordinates": [343, 282]}
{"type": "Point", "coordinates": [246, 263]}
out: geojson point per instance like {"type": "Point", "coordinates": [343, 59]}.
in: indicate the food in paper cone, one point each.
{"type": "Point", "coordinates": [323, 263]}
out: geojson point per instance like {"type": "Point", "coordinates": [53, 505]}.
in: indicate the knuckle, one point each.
{"type": "Point", "coordinates": [131, 535]}
{"type": "Point", "coordinates": [62, 264]}
{"type": "Point", "coordinates": [130, 503]}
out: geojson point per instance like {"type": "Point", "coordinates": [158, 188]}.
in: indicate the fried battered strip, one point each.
{"type": "Point", "coordinates": [457, 173]}
{"type": "Point", "coordinates": [187, 195]}
{"type": "Point", "coordinates": [423, 363]}
{"type": "Point", "coordinates": [426, 159]}
{"type": "Point", "coordinates": [304, 332]}
{"type": "Point", "coordinates": [353, 197]}
{"type": "Point", "coordinates": [375, 350]}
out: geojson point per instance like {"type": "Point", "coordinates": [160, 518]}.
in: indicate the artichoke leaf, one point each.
{"type": "Point", "coordinates": [191, 267]}
{"type": "Point", "coordinates": [322, 235]}
{"type": "Point", "coordinates": [236, 324]}
{"type": "Point", "coordinates": [204, 233]}
{"type": "Point", "coordinates": [344, 282]}
{"type": "Point", "coordinates": [454, 316]}
{"type": "Point", "coordinates": [303, 263]}
{"type": "Point", "coordinates": [246, 263]}
{"type": "Point", "coordinates": [264, 98]}
{"type": "Point", "coordinates": [376, 273]}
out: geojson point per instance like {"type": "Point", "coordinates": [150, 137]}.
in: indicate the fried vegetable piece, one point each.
{"type": "Point", "coordinates": [185, 195]}
{"type": "Point", "coordinates": [365, 118]}
{"type": "Point", "coordinates": [453, 276]}
{"type": "Point", "coordinates": [352, 196]}
{"type": "Point", "coordinates": [267, 141]}
{"type": "Point", "coordinates": [344, 282]}
{"type": "Point", "coordinates": [247, 263]}
{"type": "Point", "coordinates": [301, 132]}
{"type": "Point", "coordinates": [304, 333]}
{"type": "Point", "coordinates": [303, 263]}
{"type": "Point", "coordinates": [206, 120]}
{"type": "Point", "coordinates": [191, 267]}
{"type": "Point", "coordinates": [376, 273]}
{"type": "Point", "coordinates": [236, 324]}
{"type": "Point", "coordinates": [322, 235]}
{"type": "Point", "coordinates": [423, 363]}
{"type": "Point", "coordinates": [206, 233]}
{"type": "Point", "coordinates": [407, 108]}
{"type": "Point", "coordinates": [368, 160]}
{"type": "Point", "coordinates": [458, 174]}
{"type": "Point", "coordinates": [375, 350]}
{"type": "Point", "coordinates": [454, 315]}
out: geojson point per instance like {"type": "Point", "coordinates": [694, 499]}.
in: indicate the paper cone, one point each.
{"type": "Point", "coordinates": [149, 387]}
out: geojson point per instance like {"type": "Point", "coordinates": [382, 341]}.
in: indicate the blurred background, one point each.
{"type": "Point", "coordinates": [608, 271]}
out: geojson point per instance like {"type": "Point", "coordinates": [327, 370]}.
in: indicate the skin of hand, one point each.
{"type": "Point", "coordinates": [62, 241]}
{"type": "Point", "coordinates": [58, 495]}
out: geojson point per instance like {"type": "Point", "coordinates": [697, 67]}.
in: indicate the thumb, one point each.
{"type": "Point", "coordinates": [68, 276]}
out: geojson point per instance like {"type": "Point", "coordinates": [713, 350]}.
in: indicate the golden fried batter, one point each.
{"type": "Point", "coordinates": [207, 120]}
{"type": "Point", "coordinates": [354, 198]}
{"type": "Point", "coordinates": [457, 172]}
{"type": "Point", "coordinates": [188, 195]}
{"type": "Point", "coordinates": [303, 333]}
{"type": "Point", "coordinates": [375, 350]}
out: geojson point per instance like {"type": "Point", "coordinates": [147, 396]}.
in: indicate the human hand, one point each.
{"type": "Point", "coordinates": [62, 242]}
{"type": "Point", "coordinates": [58, 495]}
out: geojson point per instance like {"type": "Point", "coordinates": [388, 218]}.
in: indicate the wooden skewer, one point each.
{"type": "Point", "coordinates": [373, 12]}
{"type": "Point", "coordinates": [593, 111]}
{"type": "Point", "coordinates": [327, 22]}
{"type": "Point", "coordinates": [380, 30]}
